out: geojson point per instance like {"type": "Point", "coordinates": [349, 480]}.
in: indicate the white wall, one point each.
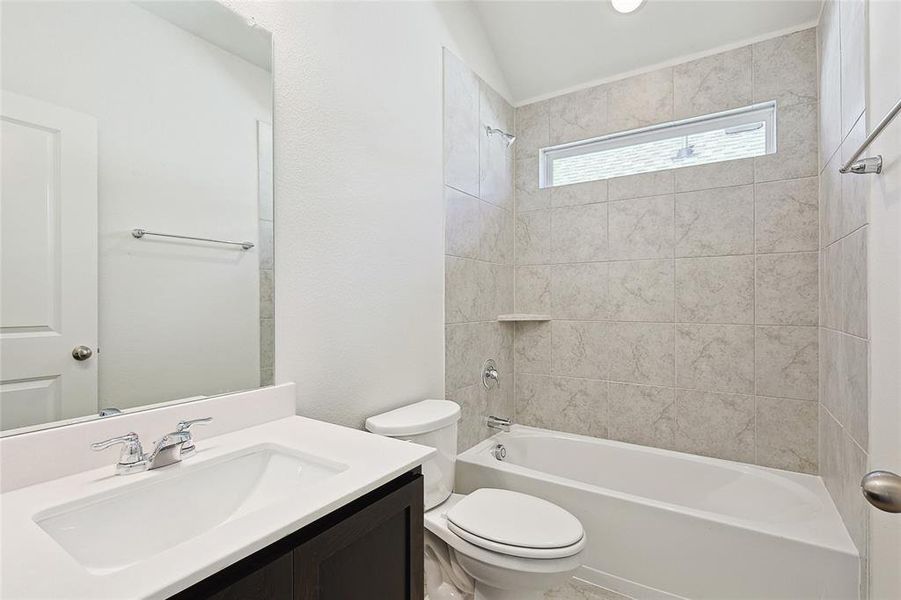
{"type": "Point", "coordinates": [178, 153]}
{"type": "Point", "coordinates": [358, 194]}
{"type": "Point", "coordinates": [884, 277]}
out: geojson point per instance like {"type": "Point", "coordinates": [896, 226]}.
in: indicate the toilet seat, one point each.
{"type": "Point", "coordinates": [507, 557]}
{"type": "Point", "coordinates": [515, 524]}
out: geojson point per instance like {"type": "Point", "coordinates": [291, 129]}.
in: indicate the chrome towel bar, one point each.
{"type": "Point", "coordinates": [139, 233]}
{"type": "Point", "coordinates": [873, 164]}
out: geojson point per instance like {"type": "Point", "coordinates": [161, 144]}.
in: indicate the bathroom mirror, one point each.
{"type": "Point", "coordinates": [137, 212]}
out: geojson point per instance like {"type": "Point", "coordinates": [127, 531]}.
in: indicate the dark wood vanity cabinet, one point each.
{"type": "Point", "coordinates": [370, 549]}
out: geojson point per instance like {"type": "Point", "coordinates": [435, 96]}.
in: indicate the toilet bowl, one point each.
{"type": "Point", "coordinates": [514, 546]}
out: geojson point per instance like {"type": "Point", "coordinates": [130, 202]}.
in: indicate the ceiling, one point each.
{"type": "Point", "coordinates": [549, 46]}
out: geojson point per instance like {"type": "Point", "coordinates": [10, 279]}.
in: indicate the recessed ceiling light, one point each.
{"type": "Point", "coordinates": [626, 6]}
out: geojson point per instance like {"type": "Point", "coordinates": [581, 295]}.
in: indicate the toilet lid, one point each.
{"type": "Point", "coordinates": [513, 519]}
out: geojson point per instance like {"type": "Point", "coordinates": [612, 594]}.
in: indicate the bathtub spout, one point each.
{"type": "Point", "coordinates": [498, 423]}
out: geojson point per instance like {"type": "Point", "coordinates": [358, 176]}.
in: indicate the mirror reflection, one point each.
{"type": "Point", "coordinates": [137, 215]}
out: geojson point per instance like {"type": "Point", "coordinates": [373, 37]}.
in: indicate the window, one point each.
{"type": "Point", "coordinates": [729, 135]}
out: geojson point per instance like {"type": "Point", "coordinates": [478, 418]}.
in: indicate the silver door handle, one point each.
{"type": "Point", "coordinates": [882, 489]}
{"type": "Point", "coordinates": [82, 353]}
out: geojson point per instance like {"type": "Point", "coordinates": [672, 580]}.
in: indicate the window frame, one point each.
{"type": "Point", "coordinates": [754, 113]}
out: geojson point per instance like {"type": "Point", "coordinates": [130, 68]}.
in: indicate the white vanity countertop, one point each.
{"type": "Point", "coordinates": [35, 566]}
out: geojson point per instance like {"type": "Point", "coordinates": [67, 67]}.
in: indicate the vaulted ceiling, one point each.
{"type": "Point", "coordinates": [545, 47]}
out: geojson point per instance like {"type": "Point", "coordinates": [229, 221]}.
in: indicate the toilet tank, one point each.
{"type": "Point", "coordinates": [430, 423]}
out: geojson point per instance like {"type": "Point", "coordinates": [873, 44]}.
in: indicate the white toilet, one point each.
{"type": "Point", "coordinates": [513, 546]}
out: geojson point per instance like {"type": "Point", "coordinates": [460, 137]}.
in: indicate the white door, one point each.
{"type": "Point", "coordinates": [884, 288]}
{"type": "Point", "coordinates": [48, 262]}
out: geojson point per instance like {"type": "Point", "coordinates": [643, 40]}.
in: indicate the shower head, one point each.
{"type": "Point", "coordinates": [509, 138]}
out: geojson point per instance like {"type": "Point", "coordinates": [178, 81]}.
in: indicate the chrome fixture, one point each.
{"type": "Point", "coordinates": [499, 423]}
{"type": "Point", "coordinates": [509, 138]}
{"type": "Point", "coordinates": [81, 353]}
{"type": "Point", "coordinates": [139, 233]}
{"type": "Point", "coordinates": [110, 411]}
{"type": "Point", "coordinates": [882, 489]}
{"type": "Point", "coordinates": [169, 449]}
{"type": "Point", "coordinates": [490, 376]}
{"type": "Point", "coordinates": [872, 164]}
{"type": "Point", "coordinates": [499, 452]}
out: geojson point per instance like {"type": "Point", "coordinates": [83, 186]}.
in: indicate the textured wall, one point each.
{"type": "Point", "coordinates": [359, 251]}
{"type": "Point", "coordinates": [684, 302]}
{"type": "Point", "coordinates": [844, 339]}
{"type": "Point", "coordinates": [478, 193]}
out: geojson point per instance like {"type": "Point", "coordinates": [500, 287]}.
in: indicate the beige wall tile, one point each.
{"type": "Point", "coordinates": [464, 292]}
{"type": "Point", "coordinates": [715, 222]}
{"type": "Point", "coordinates": [495, 158]}
{"type": "Point", "coordinates": [787, 289]}
{"type": "Point", "coordinates": [461, 126]}
{"type": "Point", "coordinates": [786, 215]}
{"type": "Point", "coordinates": [716, 289]}
{"type": "Point", "coordinates": [728, 173]}
{"type": "Point", "coordinates": [831, 286]}
{"type": "Point", "coordinates": [854, 283]}
{"type": "Point", "coordinates": [527, 194]}
{"type": "Point", "coordinates": [656, 183]}
{"type": "Point", "coordinates": [796, 143]}
{"type": "Point", "coordinates": [853, 365]}
{"type": "Point", "coordinates": [463, 355]}
{"type": "Point", "coordinates": [579, 115]}
{"type": "Point", "coordinates": [579, 291]}
{"type": "Point", "coordinates": [498, 291]}
{"type": "Point", "coordinates": [461, 226]}
{"type": "Point", "coordinates": [640, 100]}
{"type": "Point", "coordinates": [830, 453]}
{"type": "Point", "coordinates": [785, 68]}
{"type": "Point", "coordinates": [580, 349]}
{"type": "Point", "coordinates": [714, 83]}
{"type": "Point", "coordinates": [830, 90]}
{"type": "Point", "coordinates": [579, 233]}
{"type": "Point", "coordinates": [641, 228]}
{"type": "Point", "coordinates": [496, 228]}
{"type": "Point", "coordinates": [719, 425]}
{"type": "Point", "coordinates": [786, 362]}
{"type": "Point", "coordinates": [533, 289]}
{"type": "Point", "coordinates": [589, 192]}
{"type": "Point", "coordinates": [563, 404]}
{"type": "Point", "coordinates": [853, 26]}
{"type": "Point", "coordinates": [641, 352]}
{"type": "Point", "coordinates": [852, 207]}
{"type": "Point", "coordinates": [532, 348]}
{"type": "Point", "coordinates": [852, 506]}
{"type": "Point", "coordinates": [787, 434]}
{"type": "Point", "coordinates": [830, 371]}
{"type": "Point", "coordinates": [641, 290]}
{"type": "Point", "coordinates": [471, 428]}
{"type": "Point", "coordinates": [717, 358]}
{"type": "Point", "coordinates": [641, 414]}
{"type": "Point", "coordinates": [532, 129]}
{"type": "Point", "coordinates": [831, 205]}
{"type": "Point", "coordinates": [533, 237]}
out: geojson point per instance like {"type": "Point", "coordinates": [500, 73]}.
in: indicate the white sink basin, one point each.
{"type": "Point", "coordinates": [108, 532]}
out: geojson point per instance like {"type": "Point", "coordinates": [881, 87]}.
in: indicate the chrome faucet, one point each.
{"type": "Point", "coordinates": [498, 423]}
{"type": "Point", "coordinates": [169, 449]}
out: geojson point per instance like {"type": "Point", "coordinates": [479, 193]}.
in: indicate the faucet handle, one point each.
{"type": "Point", "coordinates": [131, 458]}
{"type": "Point", "coordinates": [185, 425]}
{"type": "Point", "coordinates": [188, 448]}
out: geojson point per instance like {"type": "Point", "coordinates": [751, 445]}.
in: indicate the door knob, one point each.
{"type": "Point", "coordinates": [82, 353]}
{"type": "Point", "coordinates": [882, 489]}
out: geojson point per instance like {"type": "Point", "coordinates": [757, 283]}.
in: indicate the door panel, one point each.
{"type": "Point", "coordinates": [48, 262]}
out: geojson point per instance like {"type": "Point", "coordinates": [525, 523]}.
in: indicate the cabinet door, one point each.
{"type": "Point", "coordinates": [262, 576]}
{"type": "Point", "coordinates": [376, 553]}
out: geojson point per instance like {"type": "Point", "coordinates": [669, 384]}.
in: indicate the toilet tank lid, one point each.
{"type": "Point", "coordinates": [413, 419]}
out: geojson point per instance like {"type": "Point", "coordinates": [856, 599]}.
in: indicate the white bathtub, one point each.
{"type": "Point", "coordinates": [663, 524]}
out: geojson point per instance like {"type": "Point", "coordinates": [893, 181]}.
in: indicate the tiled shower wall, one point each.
{"type": "Point", "coordinates": [844, 334]}
{"type": "Point", "coordinates": [478, 192]}
{"type": "Point", "coordinates": [684, 302]}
